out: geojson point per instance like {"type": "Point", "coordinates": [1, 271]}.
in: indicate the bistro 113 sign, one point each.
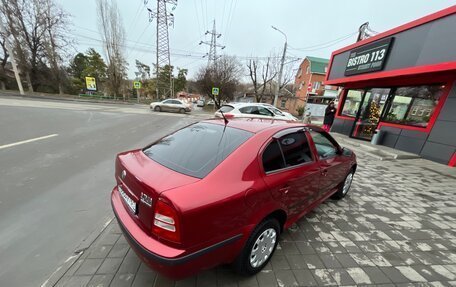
{"type": "Point", "coordinates": [369, 58]}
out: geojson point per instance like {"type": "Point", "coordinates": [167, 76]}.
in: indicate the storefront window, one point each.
{"type": "Point", "coordinates": [352, 102]}
{"type": "Point", "coordinates": [414, 105]}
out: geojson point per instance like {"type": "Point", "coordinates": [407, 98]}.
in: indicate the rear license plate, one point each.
{"type": "Point", "coordinates": [130, 202]}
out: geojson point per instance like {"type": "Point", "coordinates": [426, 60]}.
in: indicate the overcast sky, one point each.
{"type": "Point", "coordinates": [313, 28]}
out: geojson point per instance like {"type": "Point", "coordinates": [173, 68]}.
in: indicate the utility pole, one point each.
{"type": "Point", "coordinates": [164, 20]}
{"type": "Point", "coordinates": [13, 60]}
{"type": "Point", "coordinates": [279, 80]}
{"type": "Point", "coordinates": [212, 55]}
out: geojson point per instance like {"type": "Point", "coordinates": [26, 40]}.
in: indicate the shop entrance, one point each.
{"type": "Point", "coordinates": [369, 113]}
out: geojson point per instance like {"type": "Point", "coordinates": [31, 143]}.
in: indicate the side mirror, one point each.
{"type": "Point", "coordinates": [346, 152]}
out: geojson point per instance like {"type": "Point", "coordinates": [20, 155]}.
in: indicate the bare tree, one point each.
{"type": "Point", "coordinates": [11, 10]}
{"type": "Point", "coordinates": [38, 29]}
{"type": "Point", "coordinates": [224, 74]}
{"type": "Point", "coordinates": [3, 60]}
{"type": "Point", "coordinates": [56, 39]}
{"type": "Point", "coordinates": [113, 35]}
{"type": "Point", "coordinates": [261, 73]}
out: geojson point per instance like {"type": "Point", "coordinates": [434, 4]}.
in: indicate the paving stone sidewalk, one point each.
{"type": "Point", "coordinates": [397, 227]}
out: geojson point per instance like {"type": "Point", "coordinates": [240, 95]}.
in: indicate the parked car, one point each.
{"type": "Point", "coordinates": [254, 110]}
{"type": "Point", "coordinates": [215, 193]}
{"type": "Point", "coordinates": [171, 105]}
{"type": "Point", "coordinates": [200, 103]}
{"type": "Point", "coordinates": [210, 103]}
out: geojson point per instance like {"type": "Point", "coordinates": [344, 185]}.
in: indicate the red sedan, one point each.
{"type": "Point", "coordinates": [215, 193]}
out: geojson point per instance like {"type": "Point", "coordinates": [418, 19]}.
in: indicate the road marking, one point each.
{"type": "Point", "coordinates": [27, 141]}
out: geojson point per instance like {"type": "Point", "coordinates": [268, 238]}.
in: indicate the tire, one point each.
{"type": "Point", "coordinates": [344, 187]}
{"type": "Point", "coordinates": [182, 111]}
{"type": "Point", "coordinates": [157, 109]}
{"type": "Point", "coordinates": [264, 239]}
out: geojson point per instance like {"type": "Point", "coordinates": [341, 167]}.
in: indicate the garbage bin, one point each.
{"type": "Point", "coordinates": [377, 138]}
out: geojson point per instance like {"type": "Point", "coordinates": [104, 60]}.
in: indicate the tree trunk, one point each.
{"type": "Point", "coordinates": [61, 92]}
{"type": "Point", "coordinates": [2, 85]}
{"type": "Point", "coordinates": [29, 81]}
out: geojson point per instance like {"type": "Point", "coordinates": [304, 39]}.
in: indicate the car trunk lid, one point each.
{"type": "Point", "coordinates": [142, 180]}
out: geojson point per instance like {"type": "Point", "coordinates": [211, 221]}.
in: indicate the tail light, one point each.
{"type": "Point", "coordinates": [166, 224]}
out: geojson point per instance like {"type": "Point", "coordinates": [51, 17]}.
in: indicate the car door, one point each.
{"type": "Point", "coordinates": [333, 166]}
{"type": "Point", "coordinates": [291, 172]}
{"type": "Point", "coordinates": [177, 105]}
{"type": "Point", "coordinates": [265, 112]}
{"type": "Point", "coordinates": [166, 105]}
{"type": "Point", "coordinates": [250, 111]}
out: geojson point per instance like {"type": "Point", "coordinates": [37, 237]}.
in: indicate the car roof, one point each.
{"type": "Point", "coordinates": [256, 125]}
{"type": "Point", "coordinates": [240, 105]}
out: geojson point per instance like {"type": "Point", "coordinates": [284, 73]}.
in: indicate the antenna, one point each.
{"type": "Point", "coordinates": [224, 118]}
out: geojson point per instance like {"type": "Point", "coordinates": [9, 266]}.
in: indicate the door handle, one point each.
{"type": "Point", "coordinates": [324, 172]}
{"type": "Point", "coordinates": [285, 189]}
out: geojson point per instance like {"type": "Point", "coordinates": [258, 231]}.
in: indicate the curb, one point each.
{"type": "Point", "coordinates": [79, 251]}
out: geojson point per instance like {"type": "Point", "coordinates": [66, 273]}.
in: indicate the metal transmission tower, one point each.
{"type": "Point", "coordinates": [164, 20]}
{"type": "Point", "coordinates": [212, 55]}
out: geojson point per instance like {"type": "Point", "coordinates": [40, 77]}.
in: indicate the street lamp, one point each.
{"type": "Point", "coordinates": [277, 89]}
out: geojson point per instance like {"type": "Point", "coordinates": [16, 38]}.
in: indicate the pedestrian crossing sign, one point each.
{"type": "Point", "coordinates": [137, 85]}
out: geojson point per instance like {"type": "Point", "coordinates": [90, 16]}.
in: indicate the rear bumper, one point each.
{"type": "Point", "coordinates": [171, 262]}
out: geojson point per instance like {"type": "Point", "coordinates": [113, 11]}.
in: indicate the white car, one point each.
{"type": "Point", "coordinates": [279, 112]}
{"type": "Point", "coordinates": [253, 110]}
{"type": "Point", "coordinates": [171, 105]}
{"type": "Point", "coordinates": [200, 103]}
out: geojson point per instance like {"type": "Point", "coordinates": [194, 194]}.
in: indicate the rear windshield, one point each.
{"type": "Point", "coordinates": [197, 149]}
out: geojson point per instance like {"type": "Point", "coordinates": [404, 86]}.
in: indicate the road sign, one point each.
{"type": "Point", "coordinates": [91, 83]}
{"type": "Point", "coordinates": [137, 85]}
{"type": "Point", "coordinates": [309, 87]}
{"type": "Point", "coordinates": [215, 91]}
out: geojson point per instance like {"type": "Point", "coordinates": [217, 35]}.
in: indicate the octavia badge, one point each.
{"type": "Point", "coordinates": [123, 174]}
{"type": "Point", "coordinates": [147, 200]}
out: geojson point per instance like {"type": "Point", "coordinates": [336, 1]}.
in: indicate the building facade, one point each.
{"type": "Point", "coordinates": [403, 83]}
{"type": "Point", "coordinates": [309, 85]}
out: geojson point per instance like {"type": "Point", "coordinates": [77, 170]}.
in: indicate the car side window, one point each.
{"type": "Point", "coordinates": [248, 110]}
{"type": "Point", "coordinates": [167, 102]}
{"type": "Point", "coordinates": [264, 112]}
{"type": "Point", "coordinates": [272, 157]}
{"type": "Point", "coordinates": [289, 150]}
{"type": "Point", "coordinates": [176, 102]}
{"type": "Point", "coordinates": [295, 148]}
{"type": "Point", "coordinates": [325, 148]}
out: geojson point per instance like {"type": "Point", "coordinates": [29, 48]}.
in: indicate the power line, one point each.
{"type": "Point", "coordinates": [325, 44]}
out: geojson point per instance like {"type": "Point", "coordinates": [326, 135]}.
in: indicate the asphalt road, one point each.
{"type": "Point", "coordinates": [55, 191]}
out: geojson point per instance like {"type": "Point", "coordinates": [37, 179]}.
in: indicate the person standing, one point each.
{"type": "Point", "coordinates": [330, 113]}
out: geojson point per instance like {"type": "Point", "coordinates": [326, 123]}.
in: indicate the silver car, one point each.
{"type": "Point", "coordinates": [171, 105]}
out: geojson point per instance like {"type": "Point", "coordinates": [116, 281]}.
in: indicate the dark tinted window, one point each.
{"type": "Point", "coordinates": [265, 112]}
{"type": "Point", "coordinates": [272, 157]}
{"type": "Point", "coordinates": [295, 148]}
{"type": "Point", "coordinates": [325, 147]}
{"type": "Point", "coordinates": [249, 110]}
{"type": "Point", "coordinates": [197, 149]}
{"type": "Point", "coordinates": [256, 110]}
{"type": "Point", "coordinates": [226, 109]}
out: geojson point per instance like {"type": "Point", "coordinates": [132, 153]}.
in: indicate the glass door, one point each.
{"type": "Point", "coordinates": [368, 115]}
